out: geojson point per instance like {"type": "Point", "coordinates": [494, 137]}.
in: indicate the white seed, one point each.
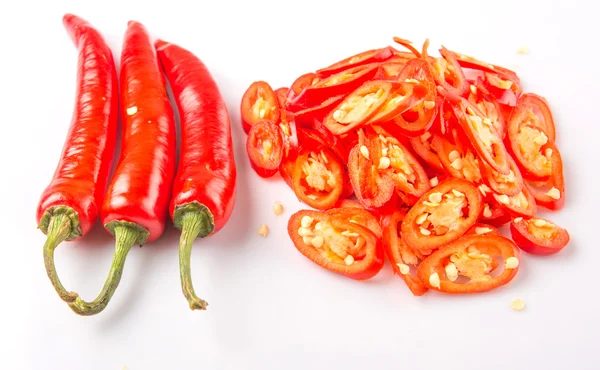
{"type": "Point", "coordinates": [482, 230]}
{"type": "Point", "coordinates": [554, 193]}
{"type": "Point", "coordinates": [305, 231]}
{"type": "Point", "coordinates": [364, 151]}
{"type": "Point", "coordinates": [457, 193]}
{"type": "Point", "coordinates": [435, 197]}
{"type": "Point", "coordinates": [454, 155]}
{"type": "Point", "coordinates": [339, 115]}
{"type": "Point", "coordinates": [307, 240]}
{"type": "Point", "coordinates": [411, 80]}
{"type": "Point", "coordinates": [518, 304]}
{"type": "Point", "coordinates": [473, 89]}
{"type": "Point", "coordinates": [434, 280]}
{"type": "Point", "coordinates": [487, 121]}
{"type": "Point", "coordinates": [487, 212]}
{"type": "Point", "coordinates": [421, 218]}
{"type": "Point", "coordinates": [429, 104]}
{"type": "Point", "coordinates": [511, 263]}
{"type": "Point", "coordinates": [263, 230]}
{"type": "Point", "coordinates": [349, 260]}
{"type": "Point", "coordinates": [430, 204]}
{"type": "Point", "coordinates": [319, 226]}
{"type": "Point", "coordinates": [425, 232]}
{"type": "Point", "coordinates": [132, 110]}
{"type": "Point", "coordinates": [541, 139]}
{"type": "Point", "coordinates": [384, 152]}
{"type": "Point", "coordinates": [523, 50]}
{"type": "Point", "coordinates": [262, 113]}
{"type": "Point", "coordinates": [434, 182]}
{"type": "Point", "coordinates": [451, 271]}
{"type": "Point", "coordinates": [539, 222]}
{"type": "Point", "coordinates": [278, 208]}
{"type": "Point", "coordinates": [457, 164]}
{"type": "Point", "coordinates": [548, 152]}
{"type": "Point", "coordinates": [384, 162]}
{"type": "Point", "coordinates": [470, 111]}
{"type": "Point", "coordinates": [517, 220]}
{"type": "Point", "coordinates": [318, 241]}
{"type": "Point", "coordinates": [306, 221]}
{"type": "Point", "coordinates": [503, 199]}
{"type": "Point", "coordinates": [404, 269]}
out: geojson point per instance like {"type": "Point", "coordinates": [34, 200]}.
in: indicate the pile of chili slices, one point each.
{"type": "Point", "coordinates": [439, 152]}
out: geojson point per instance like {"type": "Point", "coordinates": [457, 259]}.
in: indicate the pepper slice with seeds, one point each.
{"type": "Point", "coordinates": [471, 264]}
{"type": "Point", "coordinates": [538, 236]}
{"type": "Point", "coordinates": [400, 255]}
{"type": "Point", "coordinates": [318, 178]}
{"type": "Point", "coordinates": [441, 215]}
{"type": "Point", "coordinates": [336, 244]}
{"type": "Point", "coordinates": [264, 146]}
{"type": "Point", "coordinates": [520, 205]}
{"type": "Point", "coordinates": [550, 194]}
{"type": "Point", "coordinates": [510, 184]}
{"type": "Point", "coordinates": [259, 103]}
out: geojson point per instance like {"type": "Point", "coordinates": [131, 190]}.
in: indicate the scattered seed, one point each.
{"type": "Point", "coordinates": [278, 208]}
{"type": "Point", "coordinates": [404, 269]}
{"type": "Point", "coordinates": [263, 230]}
{"type": "Point", "coordinates": [523, 50]}
{"type": "Point", "coordinates": [503, 199]}
{"type": "Point", "coordinates": [518, 304]}
{"type": "Point", "coordinates": [517, 220]}
{"type": "Point", "coordinates": [487, 212]}
{"type": "Point", "coordinates": [457, 193]}
{"type": "Point", "coordinates": [451, 272]}
{"type": "Point", "coordinates": [132, 110]}
{"type": "Point", "coordinates": [429, 104]}
{"type": "Point", "coordinates": [435, 197]}
{"type": "Point", "coordinates": [457, 164]}
{"type": "Point", "coordinates": [454, 155]}
{"type": "Point", "coordinates": [554, 193]}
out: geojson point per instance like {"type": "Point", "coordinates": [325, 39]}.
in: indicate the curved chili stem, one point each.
{"type": "Point", "coordinates": [424, 50]}
{"type": "Point", "coordinates": [194, 223]}
{"type": "Point", "coordinates": [59, 229]}
{"type": "Point", "coordinates": [126, 235]}
{"type": "Point", "coordinates": [407, 44]}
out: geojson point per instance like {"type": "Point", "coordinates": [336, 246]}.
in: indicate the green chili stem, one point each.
{"type": "Point", "coordinates": [193, 224]}
{"type": "Point", "coordinates": [59, 229]}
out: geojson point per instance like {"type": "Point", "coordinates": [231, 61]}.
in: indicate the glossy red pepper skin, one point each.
{"type": "Point", "coordinates": [206, 172]}
{"type": "Point", "coordinates": [140, 189]}
{"type": "Point", "coordinates": [79, 181]}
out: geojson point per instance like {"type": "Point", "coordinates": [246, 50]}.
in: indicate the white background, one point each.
{"type": "Point", "coordinates": [270, 308]}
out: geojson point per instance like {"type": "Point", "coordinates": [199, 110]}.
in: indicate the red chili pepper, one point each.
{"type": "Point", "coordinates": [204, 187]}
{"type": "Point", "coordinates": [520, 205]}
{"type": "Point", "coordinates": [69, 206]}
{"type": "Point", "coordinates": [540, 108]}
{"type": "Point", "coordinates": [336, 244]}
{"type": "Point", "coordinates": [264, 146]}
{"type": "Point", "coordinates": [471, 256]}
{"type": "Point", "coordinates": [366, 57]}
{"type": "Point", "coordinates": [259, 103]}
{"type": "Point", "coordinates": [137, 199]}
{"type": "Point", "coordinates": [550, 194]}
{"type": "Point", "coordinates": [399, 255]}
{"type": "Point", "coordinates": [441, 215]}
{"type": "Point", "coordinates": [417, 120]}
{"type": "Point", "coordinates": [342, 83]}
{"type": "Point", "coordinates": [538, 236]}
{"type": "Point", "coordinates": [489, 106]}
{"type": "Point", "coordinates": [527, 140]}
{"type": "Point", "coordinates": [448, 73]}
{"type": "Point", "coordinates": [301, 83]}
{"type": "Point", "coordinates": [510, 184]}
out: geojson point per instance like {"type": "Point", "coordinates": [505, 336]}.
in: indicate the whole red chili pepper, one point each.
{"type": "Point", "coordinates": [69, 206]}
{"type": "Point", "coordinates": [137, 199]}
{"type": "Point", "coordinates": [204, 188]}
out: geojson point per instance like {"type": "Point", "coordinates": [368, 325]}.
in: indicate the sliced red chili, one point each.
{"type": "Point", "coordinates": [319, 138]}
{"type": "Point", "coordinates": [417, 120]}
{"type": "Point", "coordinates": [336, 244]}
{"type": "Point", "coordinates": [470, 257]}
{"type": "Point", "coordinates": [401, 256]}
{"type": "Point", "coordinates": [494, 214]}
{"type": "Point", "coordinates": [540, 108]}
{"type": "Point", "coordinates": [520, 205]}
{"type": "Point", "coordinates": [281, 95]}
{"type": "Point", "coordinates": [357, 215]}
{"type": "Point", "coordinates": [318, 178]}
{"type": "Point", "coordinates": [459, 161]}
{"type": "Point", "coordinates": [372, 189]}
{"type": "Point", "coordinates": [301, 83]}
{"type": "Point", "coordinates": [357, 108]}
{"type": "Point", "coordinates": [404, 96]}
{"type": "Point", "coordinates": [367, 57]}
{"type": "Point", "coordinates": [489, 106]}
{"type": "Point", "coordinates": [349, 203]}
{"type": "Point", "coordinates": [391, 157]}
{"type": "Point", "coordinates": [510, 184]}
{"type": "Point", "coordinates": [308, 116]}
{"type": "Point", "coordinates": [527, 141]}
{"type": "Point", "coordinates": [342, 83]}
{"type": "Point", "coordinates": [390, 70]}
{"type": "Point", "coordinates": [442, 215]}
{"type": "Point", "coordinates": [482, 134]}
{"type": "Point", "coordinates": [448, 73]}
{"type": "Point", "coordinates": [538, 236]}
{"type": "Point", "coordinates": [264, 146]}
{"type": "Point", "coordinates": [286, 169]}
{"type": "Point", "coordinates": [422, 146]}
{"type": "Point", "coordinates": [259, 103]}
{"type": "Point", "coordinates": [550, 194]}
